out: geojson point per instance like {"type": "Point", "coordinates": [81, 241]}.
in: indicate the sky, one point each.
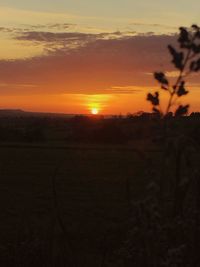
{"type": "Point", "coordinates": [73, 56]}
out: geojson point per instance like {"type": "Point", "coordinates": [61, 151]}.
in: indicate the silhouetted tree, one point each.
{"type": "Point", "coordinates": [165, 221]}
{"type": "Point", "coordinates": [186, 60]}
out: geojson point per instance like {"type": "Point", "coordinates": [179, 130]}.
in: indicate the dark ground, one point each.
{"type": "Point", "coordinates": [91, 187]}
{"type": "Point", "coordinates": [73, 195]}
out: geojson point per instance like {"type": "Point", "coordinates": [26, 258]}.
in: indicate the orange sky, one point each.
{"type": "Point", "coordinates": [61, 62]}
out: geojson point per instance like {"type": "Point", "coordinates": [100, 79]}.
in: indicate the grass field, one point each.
{"type": "Point", "coordinates": [91, 186]}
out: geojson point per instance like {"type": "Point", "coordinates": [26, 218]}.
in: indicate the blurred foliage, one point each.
{"type": "Point", "coordinates": [186, 59]}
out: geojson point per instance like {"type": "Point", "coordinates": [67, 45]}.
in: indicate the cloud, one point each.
{"type": "Point", "coordinates": [124, 89]}
{"type": "Point", "coordinates": [155, 25]}
{"type": "Point", "coordinates": [9, 29]}
{"type": "Point", "coordinates": [55, 26]}
{"type": "Point", "coordinates": [3, 29]}
{"type": "Point", "coordinates": [101, 66]}
{"type": "Point", "coordinates": [65, 40]}
{"type": "Point", "coordinates": [53, 37]}
{"type": "Point", "coordinates": [49, 37]}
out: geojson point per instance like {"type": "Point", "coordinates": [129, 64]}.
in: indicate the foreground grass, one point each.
{"type": "Point", "coordinates": [91, 187]}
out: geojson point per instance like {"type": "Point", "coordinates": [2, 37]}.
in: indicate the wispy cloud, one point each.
{"type": "Point", "coordinates": [86, 63]}
{"type": "Point", "coordinates": [155, 25]}
{"type": "Point", "coordinates": [129, 89]}
{"type": "Point", "coordinates": [100, 66]}
{"type": "Point", "coordinates": [54, 37]}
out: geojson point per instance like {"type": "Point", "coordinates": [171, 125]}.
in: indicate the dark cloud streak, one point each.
{"type": "Point", "coordinates": [96, 67]}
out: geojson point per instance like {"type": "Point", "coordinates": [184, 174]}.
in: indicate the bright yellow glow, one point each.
{"type": "Point", "coordinates": [94, 111]}
{"type": "Point", "coordinates": [83, 104]}
{"type": "Point", "coordinates": [98, 103]}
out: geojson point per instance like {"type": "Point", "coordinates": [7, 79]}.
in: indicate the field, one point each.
{"type": "Point", "coordinates": [84, 192]}
{"type": "Point", "coordinates": [93, 186]}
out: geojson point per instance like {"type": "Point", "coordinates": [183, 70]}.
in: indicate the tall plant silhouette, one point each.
{"type": "Point", "coordinates": [186, 59]}
{"type": "Point", "coordinates": [164, 228]}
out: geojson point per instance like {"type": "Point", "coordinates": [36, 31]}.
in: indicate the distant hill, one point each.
{"type": "Point", "coordinates": [22, 113]}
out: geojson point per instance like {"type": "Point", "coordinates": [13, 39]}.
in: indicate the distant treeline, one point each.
{"type": "Point", "coordinates": [95, 129]}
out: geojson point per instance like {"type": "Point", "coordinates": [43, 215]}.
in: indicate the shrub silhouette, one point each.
{"type": "Point", "coordinates": [164, 228]}
{"type": "Point", "coordinates": [186, 60]}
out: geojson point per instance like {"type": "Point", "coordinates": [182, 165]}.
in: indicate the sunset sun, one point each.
{"type": "Point", "coordinates": [94, 111]}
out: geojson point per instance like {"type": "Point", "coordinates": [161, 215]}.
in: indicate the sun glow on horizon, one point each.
{"type": "Point", "coordinates": [94, 111]}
